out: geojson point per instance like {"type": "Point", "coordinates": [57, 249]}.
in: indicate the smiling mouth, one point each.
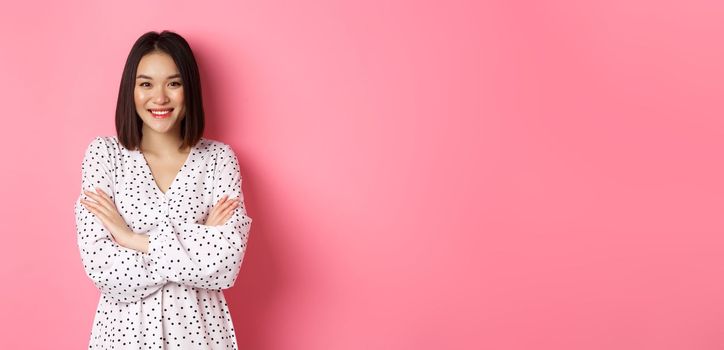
{"type": "Point", "coordinates": [161, 113]}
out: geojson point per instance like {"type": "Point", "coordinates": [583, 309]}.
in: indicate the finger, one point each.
{"type": "Point", "coordinates": [95, 206]}
{"type": "Point", "coordinates": [100, 203]}
{"type": "Point", "coordinates": [105, 195]}
{"type": "Point", "coordinates": [222, 199]}
{"type": "Point", "coordinates": [223, 203]}
{"type": "Point", "coordinates": [95, 209]}
{"type": "Point", "coordinates": [228, 208]}
{"type": "Point", "coordinates": [225, 219]}
{"type": "Point", "coordinates": [216, 208]}
{"type": "Point", "coordinates": [219, 215]}
{"type": "Point", "coordinates": [215, 213]}
{"type": "Point", "coordinates": [89, 203]}
{"type": "Point", "coordinates": [106, 198]}
{"type": "Point", "coordinates": [228, 204]}
{"type": "Point", "coordinates": [230, 211]}
{"type": "Point", "coordinates": [90, 194]}
{"type": "Point", "coordinates": [97, 197]}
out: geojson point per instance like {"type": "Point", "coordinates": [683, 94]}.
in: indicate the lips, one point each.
{"type": "Point", "coordinates": [161, 113]}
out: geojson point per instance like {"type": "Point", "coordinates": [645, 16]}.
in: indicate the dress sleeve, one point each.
{"type": "Point", "coordinates": [123, 274]}
{"type": "Point", "coordinates": [204, 256]}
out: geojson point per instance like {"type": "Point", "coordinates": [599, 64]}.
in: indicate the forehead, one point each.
{"type": "Point", "coordinates": [157, 65]}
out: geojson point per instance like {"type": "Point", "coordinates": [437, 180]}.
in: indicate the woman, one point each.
{"type": "Point", "coordinates": [161, 223]}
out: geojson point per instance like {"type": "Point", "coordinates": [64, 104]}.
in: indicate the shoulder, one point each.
{"type": "Point", "coordinates": [103, 147]}
{"type": "Point", "coordinates": [98, 144]}
{"type": "Point", "coordinates": [217, 149]}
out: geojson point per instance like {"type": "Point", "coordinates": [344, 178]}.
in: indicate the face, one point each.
{"type": "Point", "coordinates": [159, 88]}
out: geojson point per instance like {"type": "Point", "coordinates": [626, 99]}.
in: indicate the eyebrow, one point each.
{"type": "Point", "coordinates": [141, 76]}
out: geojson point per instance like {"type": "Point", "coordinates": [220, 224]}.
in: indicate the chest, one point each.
{"type": "Point", "coordinates": [165, 170]}
{"type": "Point", "coordinates": [148, 189]}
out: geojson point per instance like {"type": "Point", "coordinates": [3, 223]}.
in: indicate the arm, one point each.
{"type": "Point", "coordinates": [204, 256]}
{"type": "Point", "coordinates": [136, 242]}
{"type": "Point", "coordinates": [120, 273]}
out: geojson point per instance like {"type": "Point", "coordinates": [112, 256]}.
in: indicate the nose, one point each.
{"type": "Point", "coordinates": [160, 97]}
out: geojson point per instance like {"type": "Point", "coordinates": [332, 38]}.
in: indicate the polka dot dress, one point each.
{"type": "Point", "coordinates": [170, 297]}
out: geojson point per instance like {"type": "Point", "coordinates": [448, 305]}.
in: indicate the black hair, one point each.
{"type": "Point", "coordinates": [128, 122]}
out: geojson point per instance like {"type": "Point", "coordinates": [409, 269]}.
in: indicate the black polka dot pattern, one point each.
{"type": "Point", "coordinates": [171, 297]}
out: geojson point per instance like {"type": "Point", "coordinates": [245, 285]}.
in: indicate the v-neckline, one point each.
{"type": "Point", "coordinates": [172, 186]}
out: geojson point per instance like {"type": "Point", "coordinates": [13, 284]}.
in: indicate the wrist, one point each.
{"type": "Point", "coordinates": [125, 239]}
{"type": "Point", "coordinates": [136, 242]}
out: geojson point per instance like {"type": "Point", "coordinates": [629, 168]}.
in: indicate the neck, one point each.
{"type": "Point", "coordinates": [161, 143]}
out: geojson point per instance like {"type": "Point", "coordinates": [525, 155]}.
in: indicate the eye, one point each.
{"type": "Point", "coordinates": [176, 82]}
{"type": "Point", "coordinates": [141, 84]}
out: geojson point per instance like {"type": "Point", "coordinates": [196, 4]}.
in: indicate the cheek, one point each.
{"type": "Point", "coordinates": [178, 95]}
{"type": "Point", "coordinates": [138, 97]}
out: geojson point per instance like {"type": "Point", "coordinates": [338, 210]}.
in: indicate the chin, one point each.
{"type": "Point", "coordinates": [161, 125]}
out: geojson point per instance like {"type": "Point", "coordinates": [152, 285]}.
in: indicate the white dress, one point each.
{"type": "Point", "coordinates": [170, 297]}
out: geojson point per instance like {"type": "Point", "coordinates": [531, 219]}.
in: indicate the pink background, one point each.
{"type": "Point", "coordinates": [422, 175]}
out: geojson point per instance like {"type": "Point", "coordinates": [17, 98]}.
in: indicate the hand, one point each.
{"type": "Point", "coordinates": [105, 209]}
{"type": "Point", "coordinates": [222, 211]}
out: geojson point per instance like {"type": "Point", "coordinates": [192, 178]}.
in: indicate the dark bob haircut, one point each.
{"type": "Point", "coordinates": [128, 123]}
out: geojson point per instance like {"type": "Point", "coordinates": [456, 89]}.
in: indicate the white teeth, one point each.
{"type": "Point", "coordinates": [161, 112]}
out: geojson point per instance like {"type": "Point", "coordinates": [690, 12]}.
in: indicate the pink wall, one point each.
{"type": "Point", "coordinates": [450, 175]}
